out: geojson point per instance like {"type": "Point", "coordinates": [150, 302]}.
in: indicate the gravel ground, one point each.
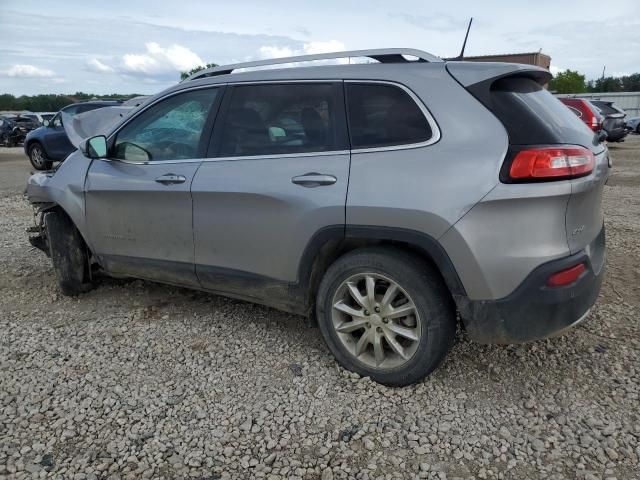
{"type": "Point", "coordinates": [140, 380]}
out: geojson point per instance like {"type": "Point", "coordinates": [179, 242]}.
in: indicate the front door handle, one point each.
{"type": "Point", "coordinates": [171, 178]}
{"type": "Point", "coordinates": [313, 179]}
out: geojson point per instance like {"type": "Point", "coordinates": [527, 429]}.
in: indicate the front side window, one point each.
{"type": "Point", "coordinates": [169, 130]}
{"type": "Point", "coordinates": [275, 119]}
{"type": "Point", "coordinates": [383, 115]}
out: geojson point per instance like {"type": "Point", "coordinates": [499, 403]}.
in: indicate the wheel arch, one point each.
{"type": "Point", "coordinates": [332, 242]}
{"type": "Point", "coordinates": [30, 143]}
{"type": "Point", "coordinates": [45, 208]}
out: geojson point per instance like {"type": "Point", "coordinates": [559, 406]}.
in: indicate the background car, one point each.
{"type": "Point", "coordinates": [50, 143]}
{"type": "Point", "coordinates": [14, 129]}
{"type": "Point", "coordinates": [585, 111]}
{"type": "Point", "coordinates": [39, 117]}
{"type": "Point", "coordinates": [614, 123]}
{"type": "Point", "coordinates": [633, 124]}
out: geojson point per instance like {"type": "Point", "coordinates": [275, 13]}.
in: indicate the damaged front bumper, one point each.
{"type": "Point", "coordinates": [36, 194]}
{"type": "Point", "coordinates": [37, 232]}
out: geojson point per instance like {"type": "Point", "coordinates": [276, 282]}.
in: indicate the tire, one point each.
{"type": "Point", "coordinates": [38, 157]}
{"type": "Point", "coordinates": [638, 129]}
{"type": "Point", "coordinates": [68, 254]}
{"type": "Point", "coordinates": [429, 329]}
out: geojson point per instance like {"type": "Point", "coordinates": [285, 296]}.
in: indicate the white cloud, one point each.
{"type": "Point", "coordinates": [96, 65]}
{"type": "Point", "coordinates": [556, 70]}
{"type": "Point", "coordinates": [159, 60]}
{"type": "Point", "coordinates": [309, 48]}
{"type": "Point", "coordinates": [29, 71]}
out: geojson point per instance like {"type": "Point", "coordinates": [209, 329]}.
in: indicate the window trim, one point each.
{"type": "Point", "coordinates": [435, 130]}
{"type": "Point", "coordinates": [341, 122]}
{"type": "Point", "coordinates": [207, 129]}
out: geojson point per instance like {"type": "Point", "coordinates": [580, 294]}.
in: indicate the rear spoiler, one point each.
{"type": "Point", "coordinates": [471, 73]}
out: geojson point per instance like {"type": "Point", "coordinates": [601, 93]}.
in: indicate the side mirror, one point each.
{"type": "Point", "coordinates": [45, 122]}
{"type": "Point", "coordinates": [132, 152]}
{"type": "Point", "coordinates": [95, 147]}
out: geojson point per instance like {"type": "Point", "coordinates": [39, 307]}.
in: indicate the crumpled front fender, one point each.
{"type": "Point", "coordinates": [63, 187]}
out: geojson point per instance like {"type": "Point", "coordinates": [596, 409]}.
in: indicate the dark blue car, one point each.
{"type": "Point", "coordinates": [49, 143]}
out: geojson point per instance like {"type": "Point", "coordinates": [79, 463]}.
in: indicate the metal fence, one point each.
{"type": "Point", "coordinates": [628, 101]}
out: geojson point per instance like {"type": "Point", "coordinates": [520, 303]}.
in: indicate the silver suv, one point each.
{"type": "Point", "coordinates": [378, 199]}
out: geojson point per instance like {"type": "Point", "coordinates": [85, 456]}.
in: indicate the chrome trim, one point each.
{"type": "Point", "coordinates": [223, 159]}
{"type": "Point", "coordinates": [435, 130]}
{"type": "Point", "coordinates": [155, 162]}
{"type": "Point", "coordinates": [425, 111]}
{"type": "Point", "coordinates": [274, 156]}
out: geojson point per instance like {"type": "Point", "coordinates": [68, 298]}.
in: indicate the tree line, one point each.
{"type": "Point", "coordinates": [52, 102]}
{"type": "Point", "coordinates": [571, 81]}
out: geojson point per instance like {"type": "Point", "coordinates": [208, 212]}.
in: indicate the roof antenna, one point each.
{"type": "Point", "coordinates": [464, 44]}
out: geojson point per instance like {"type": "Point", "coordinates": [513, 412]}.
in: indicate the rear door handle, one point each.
{"type": "Point", "coordinates": [171, 178]}
{"type": "Point", "coordinates": [313, 179]}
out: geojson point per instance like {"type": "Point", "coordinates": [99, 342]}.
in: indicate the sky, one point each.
{"type": "Point", "coordinates": [140, 46]}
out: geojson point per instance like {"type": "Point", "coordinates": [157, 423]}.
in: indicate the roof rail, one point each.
{"type": "Point", "coordinates": [382, 55]}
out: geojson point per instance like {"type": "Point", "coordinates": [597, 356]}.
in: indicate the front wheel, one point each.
{"type": "Point", "coordinates": [68, 253]}
{"type": "Point", "coordinates": [38, 157]}
{"type": "Point", "coordinates": [386, 314]}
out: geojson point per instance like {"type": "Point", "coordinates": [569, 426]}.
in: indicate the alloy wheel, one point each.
{"type": "Point", "coordinates": [37, 156]}
{"type": "Point", "coordinates": [376, 320]}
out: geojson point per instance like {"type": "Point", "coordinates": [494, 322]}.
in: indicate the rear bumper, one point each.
{"type": "Point", "coordinates": [534, 311]}
{"type": "Point", "coordinates": [617, 134]}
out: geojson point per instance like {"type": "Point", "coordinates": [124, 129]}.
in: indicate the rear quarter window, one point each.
{"type": "Point", "coordinates": [382, 115]}
{"type": "Point", "coordinates": [531, 115]}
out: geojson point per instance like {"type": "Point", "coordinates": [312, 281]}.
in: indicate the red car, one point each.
{"type": "Point", "coordinates": [586, 111]}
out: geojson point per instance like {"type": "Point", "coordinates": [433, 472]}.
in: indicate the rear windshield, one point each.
{"type": "Point", "coordinates": [605, 108]}
{"type": "Point", "coordinates": [532, 116]}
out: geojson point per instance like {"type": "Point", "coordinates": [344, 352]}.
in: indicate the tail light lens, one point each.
{"type": "Point", "coordinates": [551, 163]}
{"type": "Point", "coordinates": [567, 276]}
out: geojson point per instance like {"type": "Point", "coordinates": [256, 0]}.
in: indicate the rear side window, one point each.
{"type": "Point", "coordinates": [383, 115]}
{"type": "Point", "coordinates": [276, 119]}
{"type": "Point", "coordinates": [531, 115]}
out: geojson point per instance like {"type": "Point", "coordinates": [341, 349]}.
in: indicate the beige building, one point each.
{"type": "Point", "coordinates": [536, 58]}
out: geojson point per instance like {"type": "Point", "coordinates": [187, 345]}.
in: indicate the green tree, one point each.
{"type": "Point", "coordinates": [569, 81]}
{"type": "Point", "coordinates": [606, 84]}
{"type": "Point", "coordinates": [185, 75]}
{"type": "Point", "coordinates": [631, 83]}
{"type": "Point", "coordinates": [51, 102]}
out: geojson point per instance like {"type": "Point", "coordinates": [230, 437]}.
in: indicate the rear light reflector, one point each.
{"type": "Point", "coordinates": [567, 276]}
{"type": "Point", "coordinates": [552, 163]}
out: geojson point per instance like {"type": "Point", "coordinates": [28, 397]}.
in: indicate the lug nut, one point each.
{"type": "Point", "coordinates": [366, 312]}
{"type": "Point", "coordinates": [368, 325]}
{"type": "Point", "coordinates": [385, 320]}
{"type": "Point", "coordinates": [379, 330]}
{"type": "Point", "coordinates": [377, 309]}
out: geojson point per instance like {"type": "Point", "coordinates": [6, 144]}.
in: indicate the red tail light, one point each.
{"type": "Point", "coordinates": [552, 163]}
{"type": "Point", "coordinates": [567, 276]}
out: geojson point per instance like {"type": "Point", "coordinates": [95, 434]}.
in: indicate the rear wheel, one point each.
{"type": "Point", "coordinates": [38, 157]}
{"type": "Point", "coordinates": [68, 254]}
{"type": "Point", "coordinates": [386, 314]}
